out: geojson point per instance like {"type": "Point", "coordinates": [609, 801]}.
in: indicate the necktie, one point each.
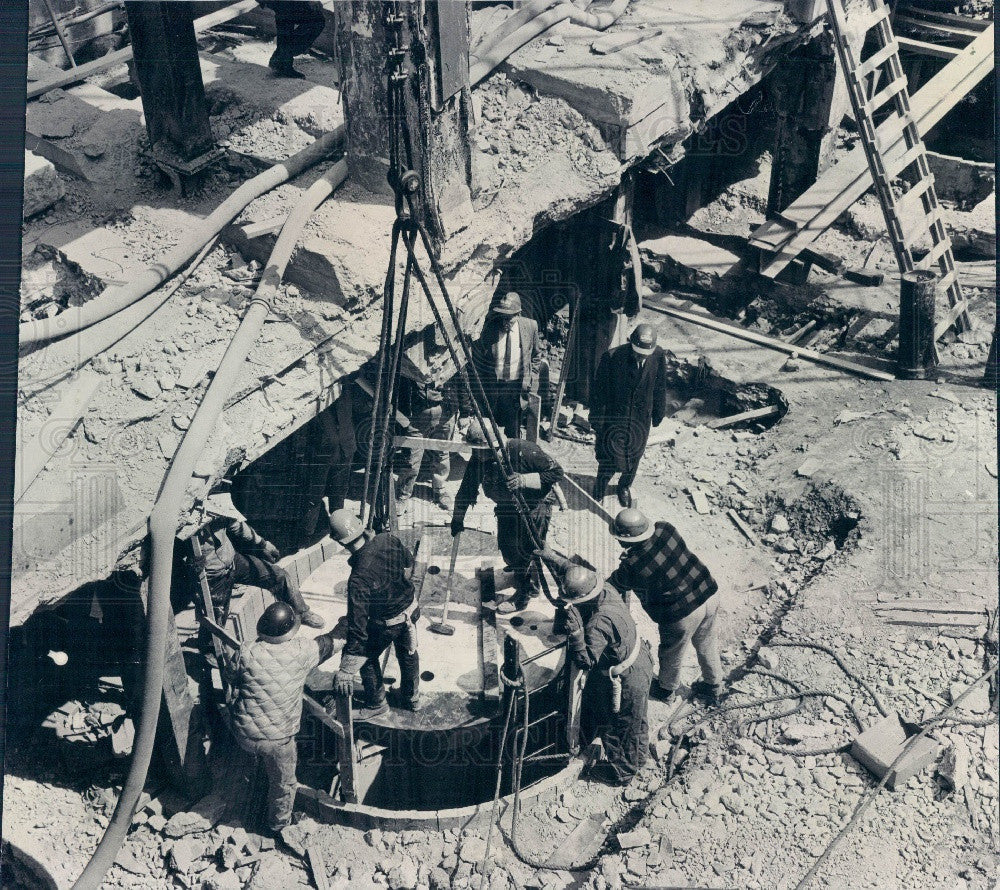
{"type": "Point", "coordinates": [508, 357]}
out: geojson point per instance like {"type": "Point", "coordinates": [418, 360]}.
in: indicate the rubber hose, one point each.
{"type": "Point", "coordinates": [165, 517]}
{"type": "Point", "coordinates": [114, 299]}
{"type": "Point", "coordinates": [493, 51]}
{"type": "Point", "coordinates": [57, 361]}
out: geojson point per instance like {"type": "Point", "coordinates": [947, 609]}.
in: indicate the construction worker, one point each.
{"type": "Point", "coordinates": [601, 637]}
{"type": "Point", "coordinates": [534, 474]}
{"type": "Point", "coordinates": [233, 553]}
{"type": "Point", "coordinates": [507, 355]}
{"type": "Point", "coordinates": [298, 23]}
{"type": "Point", "coordinates": [381, 612]}
{"type": "Point", "coordinates": [432, 405]}
{"type": "Point", "coordinates": [266, 679]}
{"type": "Point", "coordinates": [678, 592]}
{"type": "Point", "coordinates": [629, 394]}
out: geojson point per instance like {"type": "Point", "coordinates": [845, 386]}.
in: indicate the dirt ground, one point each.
{"type": "Point", "coordinates": [867, 497]}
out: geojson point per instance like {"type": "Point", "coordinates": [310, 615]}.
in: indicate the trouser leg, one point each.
{"type": "Point", "coordinates": [706, 643]}
{"type": "Point", "coordinates": [626, 740]}
{"type": "Point", "coordinates": [260, 573]}
{"type": "Point", "coordinates": [628, 477]}
{"type": "Point", "coordinates": [443, 428]}
{"type": "Point", "coordinates": [284, 27]}
{"type": "Point", "coordinates": [408, 476]}
{"type": "Point", "coordinates": [409, 662]}
{"type": "Point", "coordinates": [371, 671]}
{"type": "Point", "coordinates": [673, 639]}
{"type": "Point", "coordinates": [280, 759]}
{"type": "Point", "coordinates": [605, 470]}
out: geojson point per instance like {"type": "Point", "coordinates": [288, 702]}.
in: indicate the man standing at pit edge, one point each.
{"type": "Point", "coordinates": [678, 592]}
{"type": "Point", "coordinates": [629, 394]}
{"type": "Point", "coordinates": [381, 612]}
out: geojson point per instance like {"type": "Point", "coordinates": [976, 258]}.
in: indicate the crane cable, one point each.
{"type": "Point", "coordinates": [405, 182]}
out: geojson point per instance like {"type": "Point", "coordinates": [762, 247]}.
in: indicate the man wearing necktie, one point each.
{"type": "Point", "coordinates": [629, 395]}
{"type": "Point", "coordinates": [506, 355]}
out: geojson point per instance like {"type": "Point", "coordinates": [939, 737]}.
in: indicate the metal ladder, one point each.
{"type": "Point", "coordinates": [892, 147]}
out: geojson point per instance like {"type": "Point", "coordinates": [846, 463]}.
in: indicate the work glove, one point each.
{"type": "Point", "coordinates": [343, 683]}
{"type": "Point", "coordinates": [457, 524]}
{"type": "Point", "coordinates": [514, 482]}
{"type": "Point", "coordinates": [270, 552]}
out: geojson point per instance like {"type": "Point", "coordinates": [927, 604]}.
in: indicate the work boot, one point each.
{"type": "Point", "coordinates": [311, 619]}
{"type": "Point", "coordinates": [624, 496]}
{"type": "Point", "coordinates": [370, 713]}
{"type": "Point", "coordinates": [407, 704]}
{"type": "Point", "coordinates": [712, 693]}
{"type": "Point", "coordinates": [522, 598]}
{"type": "Point", "coordinates": [283, 67]}
{"type": "Point", "coordinates": [604, 772]}
{"type": "Point", "coordinates": [658, 693]}
{"type": "Point", "coordinates": [444, 500]}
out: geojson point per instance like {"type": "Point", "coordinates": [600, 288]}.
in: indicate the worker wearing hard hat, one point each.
{"type": "Point", "coordinates": [233, 553]}
{"type": "Point", "coordinates": [381, 612]}
{"type": "Point", "coordinates": [629, 395]}
{"type": "Point", "coordinates": [534, 475]}
{"type": "Point", "coordinates": [601, 637]}
{"type": "Point", "coordinates": [678, 592]}
{"type": "Point", "coordinates": [266, 678]}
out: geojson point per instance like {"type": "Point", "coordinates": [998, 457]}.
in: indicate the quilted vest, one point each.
{"type": "Point", "coordinates": [266, 697]}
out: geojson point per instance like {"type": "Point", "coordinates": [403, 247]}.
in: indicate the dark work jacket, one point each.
{"type": "Point", "coordinates": [624, 403]}
{"type": "Point", "coordinates": [609, 633]}
{"type": "Point", "coordinates": [524, 457]}
{"type": "Point", "coordinates": [222, 539]}
{"type": "Point", "coordinates": [417, 396]}
{"type": "Point", "coordinates": [484, 350]}
{"type": "Point", "coordinates": [379, 587]}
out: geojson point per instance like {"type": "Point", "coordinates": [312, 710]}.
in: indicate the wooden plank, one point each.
{"type": "Point", "coordinates": [737, 520]}
{"type": "Point", "coordinates": [264, 227]}
{"type": "Point", "coordinates": [455, 445]}
{"type": "Point", "coordinates": [118, 57]}
{"type": "Point", "coordinates": [836, 190]}
{"type": "Point", "coordinates": [317, 866]}
{"type": "Point", "coordinates": [818, 358]}
{"type": "Point", "coordinates": [62, 420]}
{"type": "Point", "coordinates": [578, 493]}
{"type": "Point", "coordinates": [925, 619]}
{"type": "Point", "coordinates": [581, 844]}
{"type": "Point", "coordinates": [756, 413]}
{"type": "Point", "coordinates": [924, 48]}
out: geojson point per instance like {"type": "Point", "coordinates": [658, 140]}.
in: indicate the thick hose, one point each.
{"type": "Point", "coordinates": [503, 43]}
{"type": "Point", "coordinates": [165, 515]}
{"type": "Point", "coordinates": [115, 298]}
{"type": "Point", "coordinates": [61, 359]}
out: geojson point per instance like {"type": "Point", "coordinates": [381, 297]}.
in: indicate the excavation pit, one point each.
{"type": "Point", "coordinates": [437, 765]}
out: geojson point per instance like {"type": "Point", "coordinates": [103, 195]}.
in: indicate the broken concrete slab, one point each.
{"type": "Point", "coordinates": [42, 186]}
{"type": "Point", "coordinates": [693, 262]}
{"type": "Point", "coordinates": [654, 92]}
{"type": "Point", "coordinates": [961, 182]}
{"type": "Point", "coordinates": [97, 253]}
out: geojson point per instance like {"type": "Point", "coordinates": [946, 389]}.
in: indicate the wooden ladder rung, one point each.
{"type": "Point", "coordinates": [886, 94]}
{"type": "Point", "coordinates": [876, 60]}
{"type": "Point", "coordinates": [901, 163]}
{"type": "Point", "coordinates": [935, 253]}
{"type": "Point", "coordinates": [960, 308]}
{"type": "Point", "coordinates": [874, 17]}
{"type": "Point", "coordinates": [948, 280]}
{"type": "Point", "coordinates": [912, 202]}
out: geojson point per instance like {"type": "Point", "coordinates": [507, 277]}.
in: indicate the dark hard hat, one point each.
{"type": "Point", "coordinates": [345, 526]}
{"type": "Point", "coordinates": [475, 434]}
{"type": "Point", "coordinates": [278, 623]}
{"type": "Point", "coordinates": [508, 304]}
{"type": "Point", "coordinates": [631, 526]}
{"type": "Point", "coordinates": [579, 584]}
{"type": "Point", "coordinates": [643, 339]}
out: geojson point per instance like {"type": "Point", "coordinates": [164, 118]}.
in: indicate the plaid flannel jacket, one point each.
{"type": "Point", "coordinates": [669, 580]}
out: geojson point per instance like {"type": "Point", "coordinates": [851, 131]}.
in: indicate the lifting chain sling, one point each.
{"type": "Point", "coordinates": [405, 182]}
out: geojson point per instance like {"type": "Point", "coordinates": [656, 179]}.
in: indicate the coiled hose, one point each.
{"type": "Point", "coordinates": [165, 515]}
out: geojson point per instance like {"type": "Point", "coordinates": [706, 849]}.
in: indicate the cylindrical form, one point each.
{"type": "Point", "coordinates": [916, 358]}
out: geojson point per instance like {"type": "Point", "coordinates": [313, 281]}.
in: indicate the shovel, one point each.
{"type": "Point", "coordinates": [442, 627]}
